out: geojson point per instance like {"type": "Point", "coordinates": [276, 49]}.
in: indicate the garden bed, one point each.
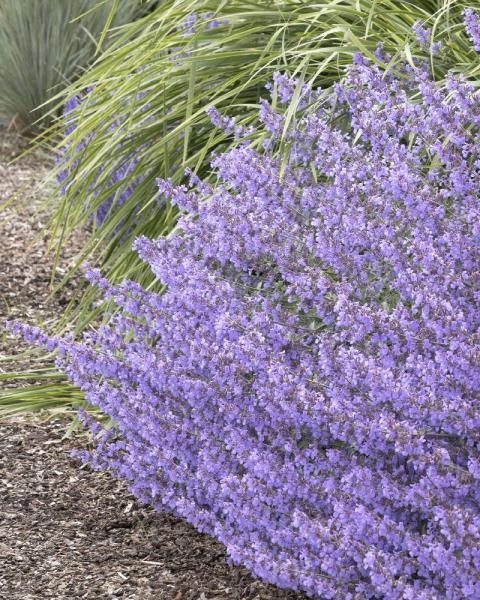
{"type": "Point", "coordinates": [65, 531]}
{"type": "Point", "coordinates": [72, 533]}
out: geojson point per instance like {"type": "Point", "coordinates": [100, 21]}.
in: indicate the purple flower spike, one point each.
{"type": "Point", "coordinates": [472, 26]}
{"type": "Point", "coordinates": [424, 38]}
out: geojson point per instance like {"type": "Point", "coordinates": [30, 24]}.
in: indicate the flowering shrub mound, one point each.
{"type": "Point", "coordinates": [307, 387]}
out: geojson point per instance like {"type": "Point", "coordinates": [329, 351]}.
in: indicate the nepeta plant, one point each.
{"type": "Point", "coordinates": [307, 388]}
{"type": "Point", "coordinates": [472, 26]}
{"type": "Point", "coordinates": [190, 24]}
{"type": "Point", "coordinates": [424, 38]}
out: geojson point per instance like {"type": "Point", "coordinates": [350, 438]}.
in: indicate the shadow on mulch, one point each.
{"type": "Point", "coordinates": [68, 532]}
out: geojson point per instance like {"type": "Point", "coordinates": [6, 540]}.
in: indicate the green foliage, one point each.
{"type": "Point", "coordinates": [44, 44]}
{"type": "Point", "coordinates": [55, 397]}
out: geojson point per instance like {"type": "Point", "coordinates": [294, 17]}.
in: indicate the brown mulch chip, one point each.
{"type": "Point", "coordinates": [69, 532]}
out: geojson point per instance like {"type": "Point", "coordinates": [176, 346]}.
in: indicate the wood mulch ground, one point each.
{"type": "Point", "coordinates": [26, 204]}
{"type": "Point", "coordinates": [65, 531]}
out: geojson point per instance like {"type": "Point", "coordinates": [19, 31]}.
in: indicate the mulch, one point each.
{"type": "Point", "coordinates": [27, 202]}
{"type": "Point", "coordinates": [66, 531]}
{"type": "Point", "coordinates": [69, 532]}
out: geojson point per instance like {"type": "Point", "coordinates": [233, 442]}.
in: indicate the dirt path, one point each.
{"type": "Point", "coordinates": [67, 532]}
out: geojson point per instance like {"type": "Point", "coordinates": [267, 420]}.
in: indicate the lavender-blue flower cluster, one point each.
{"type": "Point", "coordinates": [191, 21]}
{"type": "Point", "coordinates": [472, 26]}
{"type": "Point", "coordinates": [307, 388]}
{"type": "Point", "coordinates": [424, 38]}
